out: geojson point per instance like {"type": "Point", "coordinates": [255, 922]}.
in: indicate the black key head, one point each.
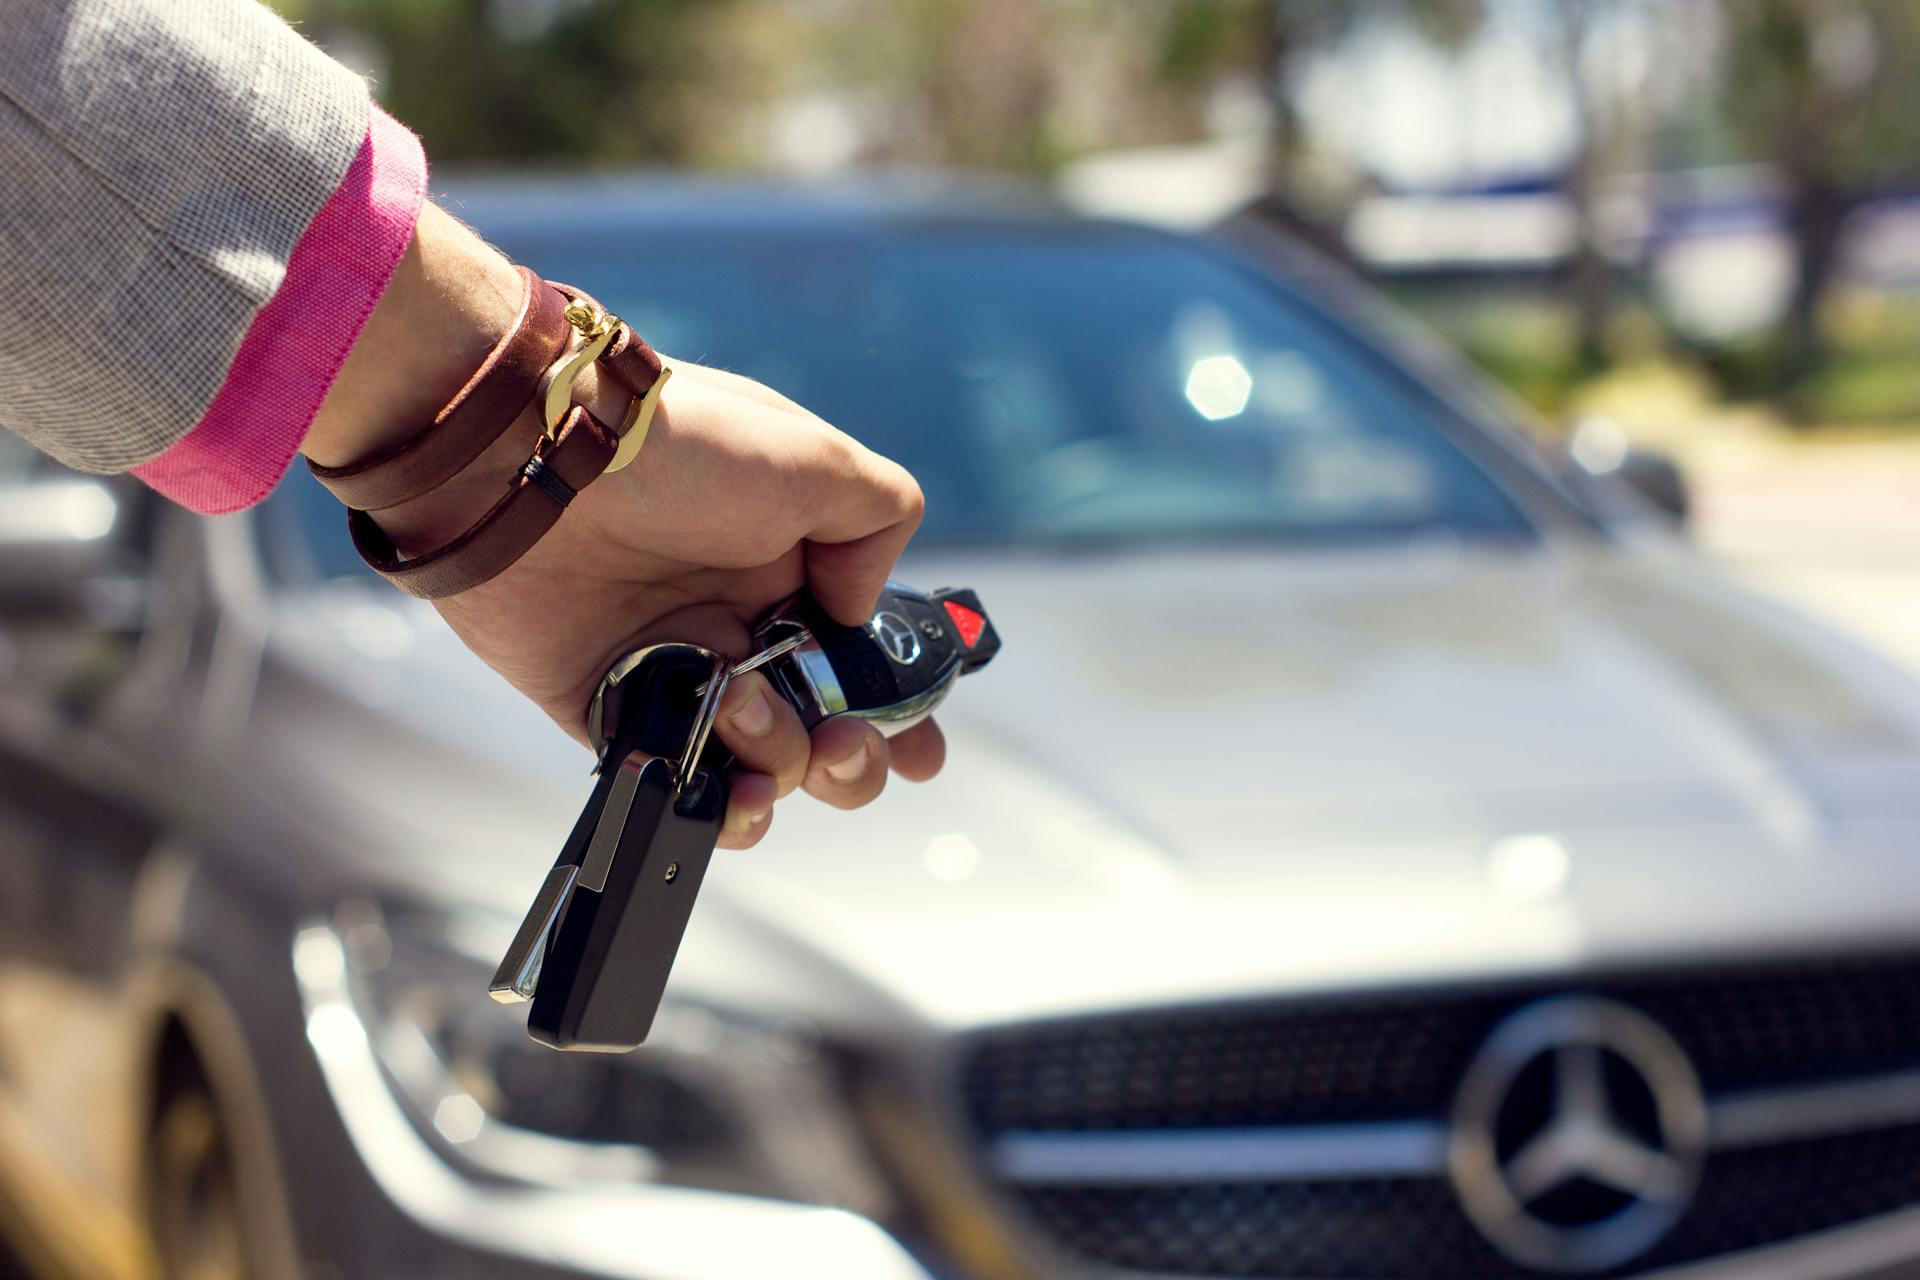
{"type": "Point", "coordinates": [894, 670]}
{"type": "Point", "coordinates": [595, 950]}
{"type": "Point", "coordinates": [613, 947]}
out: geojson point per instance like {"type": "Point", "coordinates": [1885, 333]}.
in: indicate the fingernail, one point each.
{"type": "Point", "coordinates": [756, 718]}
{"type": "Point", "coordinates": [850, 768]}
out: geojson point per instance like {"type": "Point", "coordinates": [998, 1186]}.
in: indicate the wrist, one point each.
{"type": "Point", "coordinates": [443, 405]}
{"type": "Point", "coordinates": [449, 301]}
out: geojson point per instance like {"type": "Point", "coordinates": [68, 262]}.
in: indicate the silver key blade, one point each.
{"type": "Point", "coordinates": [598, 859]}
{"type": "Point", "coordinates": [518, 976]}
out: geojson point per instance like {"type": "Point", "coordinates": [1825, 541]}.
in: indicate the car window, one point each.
{"type": "Point", "coordinates": [1060, 384]}
{"type": "Point", "coordinates": [1046, 385]}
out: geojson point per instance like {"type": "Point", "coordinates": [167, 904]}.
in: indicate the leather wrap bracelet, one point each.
{"type": "Point", "coordinates": [558, 332]}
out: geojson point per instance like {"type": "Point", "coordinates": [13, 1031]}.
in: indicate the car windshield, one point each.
{"type": "Point", "coordinates": [1047, 384]}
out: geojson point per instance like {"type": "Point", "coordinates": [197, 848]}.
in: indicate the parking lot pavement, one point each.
{"type": "Point", "coordinates": [1834, 529]}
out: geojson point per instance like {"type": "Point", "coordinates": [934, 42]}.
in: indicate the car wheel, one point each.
{"type": "Point", "coordinates": [193, 1201]}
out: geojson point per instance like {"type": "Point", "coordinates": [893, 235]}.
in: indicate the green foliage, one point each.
{"type": "Point", "coordinates": [1834, 77]}
{"type": "Point", "coordinates": [610, 81]}
{"type": "Point", "coordinates": [1202, 39]}
{"type": "Point", "coordinates": [1820, 90]}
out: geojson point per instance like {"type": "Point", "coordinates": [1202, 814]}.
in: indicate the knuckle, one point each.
{"type": "Point", "coordinates": [911, 501]}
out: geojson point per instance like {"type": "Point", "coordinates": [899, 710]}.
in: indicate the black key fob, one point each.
{"type": "Point", "coordinates": [594, 953]}
{"type": "Point", "coordinates": [893, 671]}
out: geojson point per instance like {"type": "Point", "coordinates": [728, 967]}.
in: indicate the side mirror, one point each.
{"type": "Point", "coordinates": [1658, 479]}
{"type": "Point", "coordinates": [1601, 451]}
{"type": "Point", "coordinates": [57, 539]}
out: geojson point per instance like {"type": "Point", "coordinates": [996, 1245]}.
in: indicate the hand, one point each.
{"type": "Point", "coordinates": [738, 498]}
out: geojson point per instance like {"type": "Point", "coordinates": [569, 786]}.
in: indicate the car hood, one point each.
{"type": "Point", "coordinates": [1201, 775]}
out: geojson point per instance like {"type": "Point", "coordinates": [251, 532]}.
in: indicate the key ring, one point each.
{"type": "Point", "coordinates": [714, 689]}
{"type": "Point", "coordinates": [599, 731]}
{"type": "Point", "coordinates": [724, 670]}
{"type": "Point", "coordinates": [780, 649]}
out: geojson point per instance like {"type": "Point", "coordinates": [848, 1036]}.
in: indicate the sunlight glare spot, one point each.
{"type": "Point", "coordinates": [1218, 387]}
{"type": "Point", "coordinates": [458, 1118]}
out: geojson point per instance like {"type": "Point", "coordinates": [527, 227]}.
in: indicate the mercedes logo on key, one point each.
{"type": "Point", "coordinates": [1578, 1135]}
{"type": "Point", "coordinates": [897, 636]}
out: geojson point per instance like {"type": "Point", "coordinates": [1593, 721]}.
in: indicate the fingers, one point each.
{"type": "Point", "coordinates": [764, 732]}
{"type": "Point", "coordinates": [918, 753]}
{"type": "Point", "coordinates": [847, 769]}
{"type": "Point", "coordinates": [752, 474]}
{"type": "Point", "coordinates": [844, 762]}
{"type": "Point", "coordinates": [750, 800]}
{"type": "Point", "coordinates": [849, 763]}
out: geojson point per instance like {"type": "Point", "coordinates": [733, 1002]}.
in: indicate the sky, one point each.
{"type": "Point", "coordinates": [1424, 118]}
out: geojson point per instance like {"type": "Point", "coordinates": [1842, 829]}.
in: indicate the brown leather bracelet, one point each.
{"type": "Point", "coordinates": [486, 406]}
{"type": "Point", "coordinates": [579, 452]}
{"type": "Point", "coordinates": [575, 449]}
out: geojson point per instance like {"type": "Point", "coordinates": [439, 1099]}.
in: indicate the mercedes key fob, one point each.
{"type": "Point", "coordinates": [891, 672]}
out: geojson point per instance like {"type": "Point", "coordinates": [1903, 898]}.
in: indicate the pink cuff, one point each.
{"type": "Point", "coordinates": [288, 359]}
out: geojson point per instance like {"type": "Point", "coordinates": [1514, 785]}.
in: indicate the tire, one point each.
{"type": "Point", "coordinates": [193, 1197]}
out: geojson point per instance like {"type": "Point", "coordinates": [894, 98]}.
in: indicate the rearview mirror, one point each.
{"type": "Point", "coordinates": [56, 537]}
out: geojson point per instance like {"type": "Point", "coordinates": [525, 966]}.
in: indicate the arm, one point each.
{"type": "Point", "coordinates": [213, 252]}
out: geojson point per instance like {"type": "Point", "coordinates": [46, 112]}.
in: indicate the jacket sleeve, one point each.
{"type": "Point", "coordinates": [162, 160]}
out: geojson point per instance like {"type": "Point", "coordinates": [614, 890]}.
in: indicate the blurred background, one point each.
{"type": "Point", "coordinates": [1536, 899]}
{"type": "Point", "coordinates": [1698, 219]}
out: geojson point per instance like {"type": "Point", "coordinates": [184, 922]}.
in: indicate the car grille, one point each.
{"type": "Point", "coordinates": [1387, 1059]}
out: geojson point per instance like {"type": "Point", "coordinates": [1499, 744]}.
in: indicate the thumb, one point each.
{"type": "Point", "coordinates": [846, 577]}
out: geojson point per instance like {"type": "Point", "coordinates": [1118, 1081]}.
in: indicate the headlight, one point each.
{"type": "Point", "coordinates": [714, 1100]}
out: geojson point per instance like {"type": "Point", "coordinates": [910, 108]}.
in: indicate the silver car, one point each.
{"type": "Point", "coordinates": [1379, 852]}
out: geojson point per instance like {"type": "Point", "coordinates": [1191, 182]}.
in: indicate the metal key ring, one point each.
{"type": "Point", "coordinates": [766, 655]}
{"type": "Point", "coordinates": [599, 732]}
{"type": "Point", "coordinates": [715, 689]}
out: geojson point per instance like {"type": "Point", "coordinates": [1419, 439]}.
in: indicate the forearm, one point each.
{"type": "Point", "coordinates": [449, 301]}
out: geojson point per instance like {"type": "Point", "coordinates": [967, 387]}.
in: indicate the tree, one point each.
{"type": "Point", "coordinates": [1820, 89]}
{"type": "Point", "coordinates": [599, 81]}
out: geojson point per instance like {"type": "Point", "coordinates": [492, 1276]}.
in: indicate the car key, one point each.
{"type": "Point", "coordinates": [892, 672]}
{"type": "Point", "coordinates": [595, 951]}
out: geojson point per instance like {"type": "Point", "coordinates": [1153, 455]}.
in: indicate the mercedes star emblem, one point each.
{"type": "Point", "coordinates": [1578, 1135]}
{"type": "Point", "coordinates": [897, 637]}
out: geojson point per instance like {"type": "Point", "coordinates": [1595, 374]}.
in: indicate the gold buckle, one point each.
{"type": "Point", "coordinates": [633, 431]}
{"type": "Point", "coordinates": [597, 328]}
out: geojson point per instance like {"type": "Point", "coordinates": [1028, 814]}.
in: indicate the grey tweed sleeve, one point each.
{"type": "Point", "coordinates": [159, 159]}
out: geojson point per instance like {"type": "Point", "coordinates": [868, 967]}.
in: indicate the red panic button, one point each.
{"type": "Point", "coordinates": [967, 622]}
